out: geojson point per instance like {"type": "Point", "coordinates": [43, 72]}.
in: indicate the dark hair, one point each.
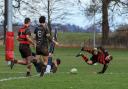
{"type": "Point", "coordinates": [100, 47]}
{"type": "Point", "coordinates": [42, 19]}
{"type": "Point", "coordinates": [58, 61]}
{"type": "Point", "coordinates": [33, 54]}
{"type": "Point", "coordinates": [111, 57]}
{"type": "Point", "coordinates": [26, 20]}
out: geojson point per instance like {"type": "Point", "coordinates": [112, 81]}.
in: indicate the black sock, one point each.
{"type": "Point", "coordinates": [28, 73]}
{"type": "Point", "coordinates": [43, 69]}
{"type": "Point", "coordinates": [104, 68]}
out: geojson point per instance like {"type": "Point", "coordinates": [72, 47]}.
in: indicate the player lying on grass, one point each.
{"type": "Point", "coordinates": [99, 55]}
{"type": "Point", "coordinates": [53, 65]}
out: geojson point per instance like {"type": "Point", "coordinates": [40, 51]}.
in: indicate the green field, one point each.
{"type": "Point", "coordinates": [75, 37]}
{"type": "Point", "coordinates": [116, 77]}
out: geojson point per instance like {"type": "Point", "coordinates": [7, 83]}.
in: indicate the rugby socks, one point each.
{"type": "Point", "coordinates": [48, 68]}
{"type": "Point", "coordinates": [12, 63]}
{"type": "Point", "coordinates": [85, 58]}
{"type": "Point", "coordinates": [43, 69]}
{"type": "Point", "coordinates": [28, 74]}
{"type": "Point", "coordinates": [38, 66]}
{"type": "Point", "coordinates": [49, 60]}
{"type": "Point", "coordinates": [104, 69]}
{"type": "Point", "coordinates": [28, 70]}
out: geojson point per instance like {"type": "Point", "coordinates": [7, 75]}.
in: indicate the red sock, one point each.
{"type": "Point", "coordinates": [85, 58]}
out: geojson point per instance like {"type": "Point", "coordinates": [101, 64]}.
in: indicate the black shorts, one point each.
{"type": "Point", "coordinates": [42, 50]}
{"type": "Point", "coordinates": [93, 59]}
{"type": "Point", "coordinates": [25, 50]}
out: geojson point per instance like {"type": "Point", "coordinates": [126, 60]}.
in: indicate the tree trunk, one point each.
{"type": "Point", "coordinates": [105, 23]}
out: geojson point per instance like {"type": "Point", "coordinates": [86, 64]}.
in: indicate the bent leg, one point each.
{"type": "Point", "coordinates": [22, 62]}
{"type": "Point", "coordinates": [49, 64]}
{"type": "Point", "coordinates": [90, 62]}
{"type": "Point", "coordinates": [84, 58]}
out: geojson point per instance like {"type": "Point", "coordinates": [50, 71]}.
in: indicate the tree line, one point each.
{"type": "Point", "coordinates": [60, 9]}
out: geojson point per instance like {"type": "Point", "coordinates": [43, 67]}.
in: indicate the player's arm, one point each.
{"type": "Point", "coordinates": [19, 39]}
{"type": "Point", "coordinates": [30, 40]}
{"type": "Point", "coordinates": [28, 37]}
{"type": "Point", "coordinates": [50, 38]}
{"type": "Point", "coordinates": [55, 42]}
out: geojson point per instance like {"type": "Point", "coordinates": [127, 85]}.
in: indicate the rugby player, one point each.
{"type": "Point", "coordinates": [53, 65]}
{"type": "Point", "coordinates": [99, 55]}
{"type": "Point", "coordinates": [24, 39]}
{"type": "Point", "coordinates": [43, 37]}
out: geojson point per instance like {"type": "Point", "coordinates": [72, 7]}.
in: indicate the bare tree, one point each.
{"type": "Point", "coordinates": [105, 22]}
{"type": "Point", "coordinates": [105, 6]}
{"type": "Point", "coordinates": [55, 9]}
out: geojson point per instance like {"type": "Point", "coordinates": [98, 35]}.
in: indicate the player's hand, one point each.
{"type": "Point", "coordinates": [60, 45]}
{"type": "Point", "coordinates": [57, 43]}
{"type": "Point", "coordinates": [34, 45]}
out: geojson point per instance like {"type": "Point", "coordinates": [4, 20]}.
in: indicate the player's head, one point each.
{"type": "Point", "coordinates": [110, 57]}
{"type": "Point", "coordinates": [95, 51]}
{"type": "Point", "coordinates": [58, 61]}
{"type": "Point", "coordinates": [100, 49]}
{"type": "Point", "coordinates": [27, 21]}
{"type": "Point", "coordinates": [42, 19]}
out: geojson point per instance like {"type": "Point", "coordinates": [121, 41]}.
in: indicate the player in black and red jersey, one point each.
{"type": "Point", "coordinates": [24, 46]}
{"type": "Point", "coordinates": [99, 55]}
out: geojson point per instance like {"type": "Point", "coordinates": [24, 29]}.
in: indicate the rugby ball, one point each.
{"type": "Point", "coordinates": [73, 71]}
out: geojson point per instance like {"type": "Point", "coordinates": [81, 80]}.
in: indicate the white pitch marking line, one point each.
{"type": "Point", "coordinates": [15, 78]}
{"type": "Point", "coordinates": [11, 72]}
{"type": "Point", "coordinates": [94, 72]}
{"type": "Point", "coordinates": [115, 73]}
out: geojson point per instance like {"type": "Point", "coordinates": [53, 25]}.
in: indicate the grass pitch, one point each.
{"type": "Point", "coordinates": [116, 77]}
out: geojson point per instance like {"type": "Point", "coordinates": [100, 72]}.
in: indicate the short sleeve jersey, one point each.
{"type": "Point", "coordinates": [42, 33]}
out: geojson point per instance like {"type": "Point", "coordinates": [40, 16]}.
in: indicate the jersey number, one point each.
{"type": "Point", "coordinates": [39, 34]}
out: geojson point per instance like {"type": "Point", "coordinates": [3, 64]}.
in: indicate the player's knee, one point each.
{"type": "Point", "coordinates": [29, 58]}
{"type": "Point", "coordinates": [29, 66]}
{"type": "Point", "coordinates": [89, 62]}
{"type": "Point", "coordinates": [50, 54]}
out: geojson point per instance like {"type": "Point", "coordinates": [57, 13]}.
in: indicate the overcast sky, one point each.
{"type": "Point", "coordinates": [78, 17]}
{"type": "Point", "coordinates": [81, 20]}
